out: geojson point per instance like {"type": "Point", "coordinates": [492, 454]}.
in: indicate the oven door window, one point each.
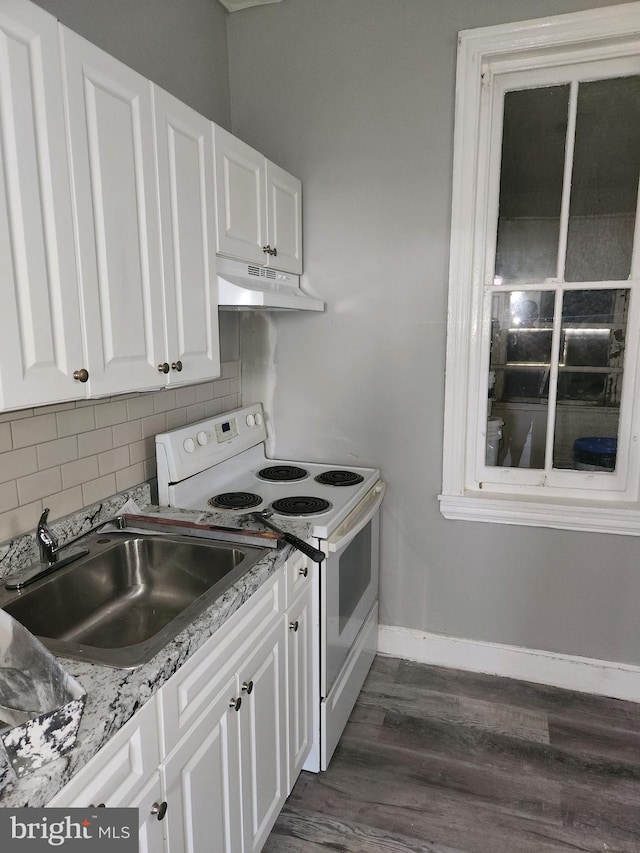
{"type": "Point", "coordinates": [351, 588]}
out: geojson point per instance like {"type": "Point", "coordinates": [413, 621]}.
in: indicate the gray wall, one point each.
{"type": "Point", "coordinates": [356, 97]}
{"type": "Point", "coordinates": [179, 44]}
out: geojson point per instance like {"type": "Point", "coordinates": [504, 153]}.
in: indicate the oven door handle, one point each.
{"type": "Point", "coordinates": [353, 530]}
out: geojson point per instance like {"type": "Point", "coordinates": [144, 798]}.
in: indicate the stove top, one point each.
{"type": "Point", "coordinates": [220, 464]}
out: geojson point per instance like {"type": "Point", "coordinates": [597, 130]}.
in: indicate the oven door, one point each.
{"type": "Point", "coordinates": [349, 583]}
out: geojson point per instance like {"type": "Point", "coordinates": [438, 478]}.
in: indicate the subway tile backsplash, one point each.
{"type": "Point", "coordinates": [71, 455]}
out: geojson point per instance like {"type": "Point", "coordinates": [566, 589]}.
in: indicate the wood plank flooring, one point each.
{"type": "Point", "coordinates": [440, 761]}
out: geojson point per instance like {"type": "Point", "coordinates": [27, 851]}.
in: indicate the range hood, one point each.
{"type": "Point", "coordinates": [250, 287]}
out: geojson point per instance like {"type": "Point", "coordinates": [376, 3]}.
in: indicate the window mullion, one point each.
{"type": "Point", "coordinates": [566, 183]}
{"type": "Point", "coordinates": [553, 381]}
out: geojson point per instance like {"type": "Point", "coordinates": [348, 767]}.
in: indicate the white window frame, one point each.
{"type": "Point", "coordinates": [472, 491]}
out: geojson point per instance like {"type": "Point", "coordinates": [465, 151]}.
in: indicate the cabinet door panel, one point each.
{"type": "Point", "coordinates": [40, 333]}
{"type": "Point", "coordinates": [300, 685]}
{"type": "Point", "coordinates": [202, 782]}
{"type": "Point", "coordinates": [240, 201]}
{"type": "Point", "coordinates": [118, 770]}
{"type": "Point", "coordinates": [184, 143]}
{"type": "Point", "coordinates": [150, 829]}
{"type": "Point", "coordinates": [284, 216]}
{"type": "Point", "coordinates": [113, 165]}
{"type": "Point", "coordinates": [263, 733]}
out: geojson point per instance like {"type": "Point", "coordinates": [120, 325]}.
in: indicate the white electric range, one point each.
{"type": "Point", "coordinates": [220, 465]}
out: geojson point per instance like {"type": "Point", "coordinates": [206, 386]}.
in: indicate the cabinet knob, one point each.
{"type": "Point", "coordinates": [99, 806]}
{"type": "Point", "coordinates": [274, 252]}
{"type": "Point", "coordinates": [247, 687]}
{"type": "Point", "coordinates": [293, 626]}
{"type": "Point", "coordinates": [267, 249]}
{"type": "Point", "coordinates": [81, 375]}
{"type": "Point", "coordinates": [176, 365]}
{"type": "Point", "coordinates": [159, 809]}
{"type": "Point", "coordinates": [304, 571]}
{"type": "Point", "coordinates": [163, 368]}
{"type": "Point", "coordinates": [235, 703]}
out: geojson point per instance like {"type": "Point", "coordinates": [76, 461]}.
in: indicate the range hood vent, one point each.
{"type": "Point", "coordinates": [251, 287]}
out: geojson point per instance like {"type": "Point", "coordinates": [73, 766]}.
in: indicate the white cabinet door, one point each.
{"type": "Point", "coordinates": [240, 198]}
{"type": "Point", "coordinates": [151, 816]}
{"type": "Point", "coordinates": [184, 145]}
{"type": "Point", "coordinates": [263, 738]}
{"type": "Point", "coordinates": [284, 219]}
{"type": "Point", "coordinates": [113, 170]}
{"type": "Point", "coordinates": [201, 781]}
{"type": "Point", "coordinates": [40, 332]}
{"type": "Point", "coordinates": [300, 686]}
{"type": "Point", "coordinates": [120, 768]}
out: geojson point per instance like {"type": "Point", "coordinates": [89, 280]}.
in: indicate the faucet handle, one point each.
{"type": "Point", "coordinates": [47, 542]}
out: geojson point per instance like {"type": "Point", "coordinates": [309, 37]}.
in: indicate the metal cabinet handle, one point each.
{"type": "Point", "coordinates": [274, 252]}
{"type": "Point", "coordinates": [159, 809]}
{"type": "Point", "coordinates": [235, 703]}
{"type": "Point", "coordinates": [99, 806]}
{"type": "Point", "coordinates": [267, 249]}
{"type": "Point", "coordinates": [176, 365]}
{"type": "Point", "coordinates": [293, 626]}
{"type": "Point", "coordinates": [81, 375]}
{"type": "Point", "coordinates": [247, 687]}
{"type": "Point", "coordinates": [304, 571]}
{"type": "Point", "coordinates": [164, 367]}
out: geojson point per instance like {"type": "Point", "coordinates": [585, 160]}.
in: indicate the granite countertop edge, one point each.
{"type": "Point", "coordinates": [114, 695]}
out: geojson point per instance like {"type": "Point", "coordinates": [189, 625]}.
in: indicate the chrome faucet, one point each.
{"type": "Point", "coordinates": [49, 549]}
{"type": "Point", "coordinates": [46, 541]}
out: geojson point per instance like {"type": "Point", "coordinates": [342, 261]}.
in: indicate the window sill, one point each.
{"type": "Point", "coordinates": [588, 516]}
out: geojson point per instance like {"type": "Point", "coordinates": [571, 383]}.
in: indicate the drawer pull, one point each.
{"type": "Point", "coordinates": [293, 626]}
{"type": "Point", "coordinates": [247, 687]}
{"type": "Point", "coordinates": [235, 703]}
{"type": "Point", "coordinates": [159, 809]}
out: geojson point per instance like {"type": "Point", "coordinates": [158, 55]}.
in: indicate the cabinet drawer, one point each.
{"type": "Point", "coordinates": [299, 572]}
{"type": "Point", "coordinates": [187, 693]}
{"type": "Point", "coordinates": [120, 768]}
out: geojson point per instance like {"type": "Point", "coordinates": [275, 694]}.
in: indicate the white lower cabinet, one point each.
{"type": "Point", "coordinates": [152, 808]}
{"type": "Point", "coordinates": [209, 760]}
{"type": "Point", "coordinates": [201, 781]}
{"type": "Point", "coordinates": [263, 732]}
{"type": "Point", "coordinates": [299, 680]}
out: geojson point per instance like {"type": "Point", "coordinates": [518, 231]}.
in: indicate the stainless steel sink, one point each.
{"type": "Point", "coordinates": [131, 595]}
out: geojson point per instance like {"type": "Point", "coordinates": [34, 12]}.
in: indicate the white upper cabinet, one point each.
{"type": "Point", "coordinates": [184, 146]}
{"type": "Point", "coordinates": [284, 219]}
{"type": "Point", "coordinates": [259, 207]}
{"type": "Point", "coordinates": [40, 332]}
{"type": "Point", "coordinates": [110, 127]}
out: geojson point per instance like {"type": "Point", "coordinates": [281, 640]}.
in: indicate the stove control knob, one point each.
{"type": "Point", "coordinates": [251, 421]}
{"type": "Point", "coordinates": [258, 418]}
{"type": "Point", "coordinates": [189, 445]}
{"type": "Point", "coordinates": [203, 438]}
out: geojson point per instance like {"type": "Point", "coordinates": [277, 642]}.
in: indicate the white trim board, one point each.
{"type": "Point", "coordinates": [571, 672]}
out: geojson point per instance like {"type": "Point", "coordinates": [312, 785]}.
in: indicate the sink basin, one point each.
{"type": "Point", "coordinates": [129, 596]}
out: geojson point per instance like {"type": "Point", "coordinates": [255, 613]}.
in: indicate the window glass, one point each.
{"type": "Point", "coordinates": [531, 175]}
{"type": "Point", "coordinates": [604, 184]}
{"type": "Point", "coordinates": [591, 359]}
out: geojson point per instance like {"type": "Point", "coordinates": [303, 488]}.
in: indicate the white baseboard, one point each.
{"type": "Point", "coordinates": [587, 675]}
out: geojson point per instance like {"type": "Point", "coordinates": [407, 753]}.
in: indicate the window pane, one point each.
{"type": "Point", "coordinates": [522, 326]}
{"type": "Point", "coordinates": [604, 186]}
{"type": "Point", "coordinates": [531, 174]}
{"type": "Point", "coordinates": [594, 327]}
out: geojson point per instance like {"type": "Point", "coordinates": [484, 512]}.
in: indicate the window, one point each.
{"type": "Point", "coordinates": [542, 408]}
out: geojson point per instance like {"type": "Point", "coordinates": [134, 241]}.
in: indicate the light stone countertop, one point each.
{"type": "Point", "coordinates": [114, 695]}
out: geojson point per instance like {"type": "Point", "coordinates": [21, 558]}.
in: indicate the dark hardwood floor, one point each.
{"type": "Point", "coordinates": [450, 762]}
